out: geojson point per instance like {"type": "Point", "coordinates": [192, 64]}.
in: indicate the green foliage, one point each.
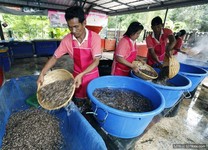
{"type": "Point", "coordinates": [38, 27]}
{"type": "Point", "coordinates": [31, 27]}
{"type": "Point", "coordinates": [188, 18]}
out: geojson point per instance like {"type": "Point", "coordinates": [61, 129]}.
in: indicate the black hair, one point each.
{"type": "Point", "coordinates": [75, 12]}
{"type": "Point", "coordinates": [156, 21]}
{"type": "Point", "coordinates": [133, 28]}
{"type": "Point", "coordinates": [180, 33]}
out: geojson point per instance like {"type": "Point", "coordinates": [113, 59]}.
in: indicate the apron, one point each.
{"type": "Point", "coordinates": [123, 70]}
{"type": "Point", "coordinates": [159, 51]}
{"type": "Point", "coordinates": [82, 59]}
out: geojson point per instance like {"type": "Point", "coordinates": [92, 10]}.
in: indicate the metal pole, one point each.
{"type": "Point", "coordinates": [166, 13]}
{"type": "Point", "coordinates": [1, 32]}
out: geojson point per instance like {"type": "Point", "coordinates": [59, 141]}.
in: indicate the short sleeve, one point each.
{"type": "Point", "coordinates": [149, 42]}
{"type": "Point", "coordinates": [64, 47]}
{"type": "Point", "coordinates": [96, 45]}
{"type": "Point", "coordinates": [167, 32]}
{"type": "Point", "coordinates": [122, 47]}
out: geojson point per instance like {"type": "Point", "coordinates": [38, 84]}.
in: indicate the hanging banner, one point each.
{"type": "Point", "coordinates": [97, 19]}
{"type": "Point", "coordinates": [57, 19]}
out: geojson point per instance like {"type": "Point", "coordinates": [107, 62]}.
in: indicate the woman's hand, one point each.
{"type": "Point", "coordinates": [135, 67]}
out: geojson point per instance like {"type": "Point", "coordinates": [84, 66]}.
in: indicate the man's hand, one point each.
{"type": "Point", "coordinates": [78, 80]}
{"type": "Point", "coordinates": [167, 53]}
{"type": "Point", "coordinates": [40, 79]}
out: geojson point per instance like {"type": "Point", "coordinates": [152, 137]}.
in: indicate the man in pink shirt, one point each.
{"type": "Point", "coordinates": [83, 46]}
{"type": "Point", "coordinates": [157, 43]}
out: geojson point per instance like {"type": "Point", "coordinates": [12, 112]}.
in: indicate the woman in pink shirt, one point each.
{"type": "Point", "coordinates": [84, 47]}
{"type": "Point", "coordinates": [126, 52]}
{"type": "Point", "coordinates": [179, 42]}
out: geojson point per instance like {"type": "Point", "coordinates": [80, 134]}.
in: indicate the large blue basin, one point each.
{"type": "Point", "coordinates": [195, 74]}
{"type": "Point", "coordinates": [171, 93]}
{"type": "Point", "coordinates": [120, 123]}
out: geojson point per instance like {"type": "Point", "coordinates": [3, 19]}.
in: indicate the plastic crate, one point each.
{"type": "Point", "coordinates": [21, 49]}
{"type": "Point", "coordinates": [45, 47]}
{"type": "Point", "coordinates": [5, 61]}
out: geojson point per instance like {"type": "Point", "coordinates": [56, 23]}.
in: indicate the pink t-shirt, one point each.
{"type": "Point", "coordinates": [123, 48]}
{"type": "Point", "coordinates": [66, 45]}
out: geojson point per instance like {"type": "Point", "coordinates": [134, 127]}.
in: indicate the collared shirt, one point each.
{"type": "Point", "coordinates": [179, 43]}
{"type": "Point", "coordinates": [152, 41]}
{"type": "Point", "coordinates": [123, 48]}
{"type": "Point", "coordinates": [66, 45]}
{"type": "Point", "coordinates": [85, 38]}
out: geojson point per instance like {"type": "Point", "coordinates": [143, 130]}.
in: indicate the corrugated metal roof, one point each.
{"type": "Point", "coordinates": [110, 7]}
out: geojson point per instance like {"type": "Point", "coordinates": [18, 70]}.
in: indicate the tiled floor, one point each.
{"type": "Point", "coordinates": [189, 126]}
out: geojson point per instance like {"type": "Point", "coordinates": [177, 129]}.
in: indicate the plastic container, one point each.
{"type": "Point", "coordinates": [5, 61]}
{"type": "Point", "coordinates": [1, 76]}
{"type": "Point", "coordinates": [171, 93]}
{"type": "Point", "coordinates": [120, 123]}
{"type": "Point", "coordinates": [110, 44]}
{"type": "Point", "coordinates": [45, 47]}
{"type": "Point", "coordinates": [104, 67]}
{"type": "Point", "coordinates": [78, 134]}
{"type": "Point", "coordinates": [197, 63]}
{"type": "Point", "coordinates": [21, 49]}
{"type": "Point", "coordinates": [142, 50]}
{"type": "Point", "coordinates": [96, 29]}
{"type": "Point", "coordinates": [102, 44]}
{"type": "Point", "coordinates": [195, 74]}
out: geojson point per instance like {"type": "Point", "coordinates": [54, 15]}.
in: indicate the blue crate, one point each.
{"type": "Point", "coordinates": [78, 134]}
{"type": "Point", "coordinates": [45, 47]}
{"type": "Point", "coordinates": [5, 61]}
{"type": "Point", "coordinates": [21, 49]}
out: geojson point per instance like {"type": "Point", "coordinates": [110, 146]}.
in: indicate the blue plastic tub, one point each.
{"type": "Point", "coordinates": [195, 74]}
{"type": "Point", "coordinates": [120, 123]}
{"type": "Point", "coordinates": [5, 61]}
{"type": "Point", "coordinates": [21, 49]}
{"type": "Point", "coordinates": [78, 133]}
{"type": "Point", "coordinates": [171, 93]}
{"type": "Point", "coordinates": [45, 47]}
{"type": "Point", "coordinates": [197, 63]}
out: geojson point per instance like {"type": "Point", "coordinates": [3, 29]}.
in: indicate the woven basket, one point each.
{"type": "Point", "coordinates": [173, 64]}
{"type": "Point", "coordinates": [145, 67]}
{"type": "Point", "coordinates": [53, 76]}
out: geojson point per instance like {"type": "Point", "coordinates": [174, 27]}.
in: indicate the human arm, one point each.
{"type": "Point", "coordinates": [154, 57]}
{"type": "Point", "coordinates": [126, 63]}
{"type": "Point", "coordinates": [51, 62]}
{"type": "Point", "coordinates": [170, 45]}
{"type": "Point", "coordinates": [78, 78]}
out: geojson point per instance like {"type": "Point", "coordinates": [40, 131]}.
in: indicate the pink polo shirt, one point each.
{"type": "Point", "coordinates": [66, 45]}
{"type": "Point", "coordinates": [123, 48]}
{"type": "Point", "coordinates": [152, 41]}
{"type": "Point", "coordinates": [178, 45]}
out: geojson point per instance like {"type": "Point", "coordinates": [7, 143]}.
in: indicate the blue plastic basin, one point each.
{"type": "Point", "coordinates": [171, 93]}
{"type": "Point", "coordinates": [78, 134]}
{"type": "Point", "coordinates": [195, 74]}
{"type": "Point", "coordinates": [197, 63]}
{"type": "Point", "coordinates": [121, 123]}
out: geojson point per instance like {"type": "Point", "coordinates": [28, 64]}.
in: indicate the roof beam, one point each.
{"type": "Point", "coordinates": [165, 5]}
